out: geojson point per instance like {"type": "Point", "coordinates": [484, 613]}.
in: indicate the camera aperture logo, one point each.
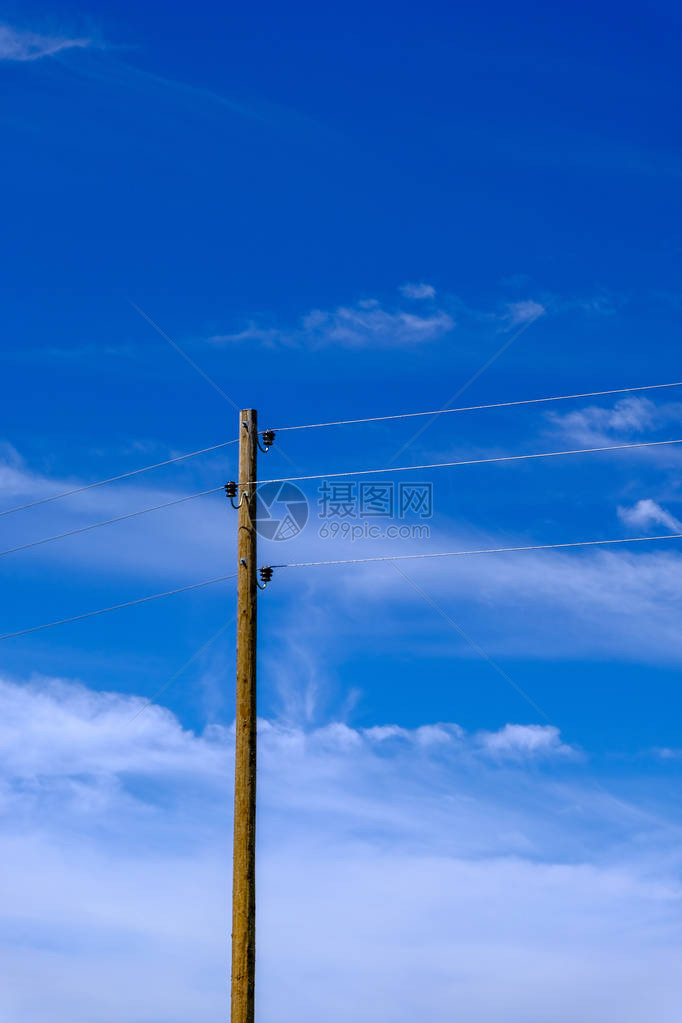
{"type": "Point", "coordinates": [281, 511]}
{"type": "Point", "coordinates": [346, 510]}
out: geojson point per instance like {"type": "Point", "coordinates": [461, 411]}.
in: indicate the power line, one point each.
{"type": "Point", "coordinates": [476, 408]}
{"type": "Point", "coordinates": [487, 550]}
{"type": "Point", "coordinates": [333, 475]}
{"type": "Point", "coordinates": [115, 479]}
{"type": "Point", "coordinates": [118, 607]}
{"type": "Point", "coordinates": [540, 311]}
{"type": "Point", "coordinates": [107, 522]}
{"type": "Point", "coordinates": [340, 422]}
{"type": "Point", "coordinates": [469, 461]}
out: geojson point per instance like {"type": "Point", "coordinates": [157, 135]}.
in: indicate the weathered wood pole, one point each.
{"type": "Point", "coordinates": [244, 849]}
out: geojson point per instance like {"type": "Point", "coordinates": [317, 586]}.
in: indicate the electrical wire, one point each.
{"type": "Point", "coordinates": [476, 408]}
{"type": "Point", "coordinates": [117, 607]}
{"type": "Point", "coordinates": [487, 550]}
{"type": "Point", "coordinates": [339, 422]}
{"type": "Point", "coordinates": [107, 522]}
{"type": "Point", "coordinates": [114, 479]}
{"type": "Point", "coordinates": [346, 561]}
{"type": "Point", "coordinates": [467, 461]}
{"type": "Point", "coordinates": [334, 475]}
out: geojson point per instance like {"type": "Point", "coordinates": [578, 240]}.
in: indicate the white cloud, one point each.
{"type": "Point", "coordinates": [23, 46]}
{"type": "Point", "coordinates": [589, 603]}
{"type": "Point", "coordinates": [557, 604]}
{"type": "Point", "coordinates": [524, 740]}
{"type": "Point", "coordinates": [435, 735]}
{"type": "Point", "coordinates": [393, 883]}
{"type": "Point", "coordinates": [666, 753]}
{"type": "Point", "coordinates": [418, 291]}
{"type": "Point", "coordinates": [647, 513]}
{"type": "Point", "coordinates": [596, 424]}
{"type": "Point", "coordinates": [59, 729]}
{"type": "Point", "coordinates": [627, 419]}
{"type": "Point", "coordinates": [380, 733]}
{"type": "Point", "coordinates": [366, 324]}
{"type": "Point", "coordinates": [518, 313]}
{"type": "Point", "coordinates": [370, 323]}
{"type": "Point", "coordinates": [140, 541]}
{"type": "Point", "coordinates": [260, 335]}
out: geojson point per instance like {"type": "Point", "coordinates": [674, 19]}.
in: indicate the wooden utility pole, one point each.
{"type": "Point", "coordinates": [244, 849]}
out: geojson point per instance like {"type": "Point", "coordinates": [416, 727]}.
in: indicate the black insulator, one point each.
{"type": "Point", "coordinates": [268, 438]}
{"type": "Point", "coordinates": [231, 489]}
{"type": "Point", "coordinates": [266, 574]}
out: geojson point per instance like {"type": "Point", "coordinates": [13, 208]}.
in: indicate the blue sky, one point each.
{"type": "Point", "coordinates": [341, 213]}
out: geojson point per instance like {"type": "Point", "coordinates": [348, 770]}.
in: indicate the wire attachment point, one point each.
{"type": "Point", "coordinates": [230, 489]}
{"type": "Point", "coordinates": [265, 576]}
{"type": "Point", "coordinates": [268, 441]}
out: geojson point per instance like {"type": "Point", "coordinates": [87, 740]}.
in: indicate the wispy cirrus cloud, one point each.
{"type": "Point", "coordinates": [19, 45]}
{"type": "Point", "coordinates": [125, 548]}
{"type": "Point", "coordinates": [628, 418]}
{"type": "Point", "coordinates": [551, 604]}
{"type": "Point", "coordinates": [373, 324]}
{"type": "Point", "coordinates": [367, 324]}
{"type": "Point", "coordinates": [646, 513]}
{"type": "Point", "coordinates": [418, 291]}
{"type": "Point", "coordinates": [114, 836]}
{"type": "Point", "coordinates": [603, 594]}
{"type": "Point", "coordinates": [517, 313]}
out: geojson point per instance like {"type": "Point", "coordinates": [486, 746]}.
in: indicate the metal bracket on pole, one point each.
{"type": "Point", "coordinates": [265, 576]}
{"type": "Point", "coordinates": [268, 441]}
